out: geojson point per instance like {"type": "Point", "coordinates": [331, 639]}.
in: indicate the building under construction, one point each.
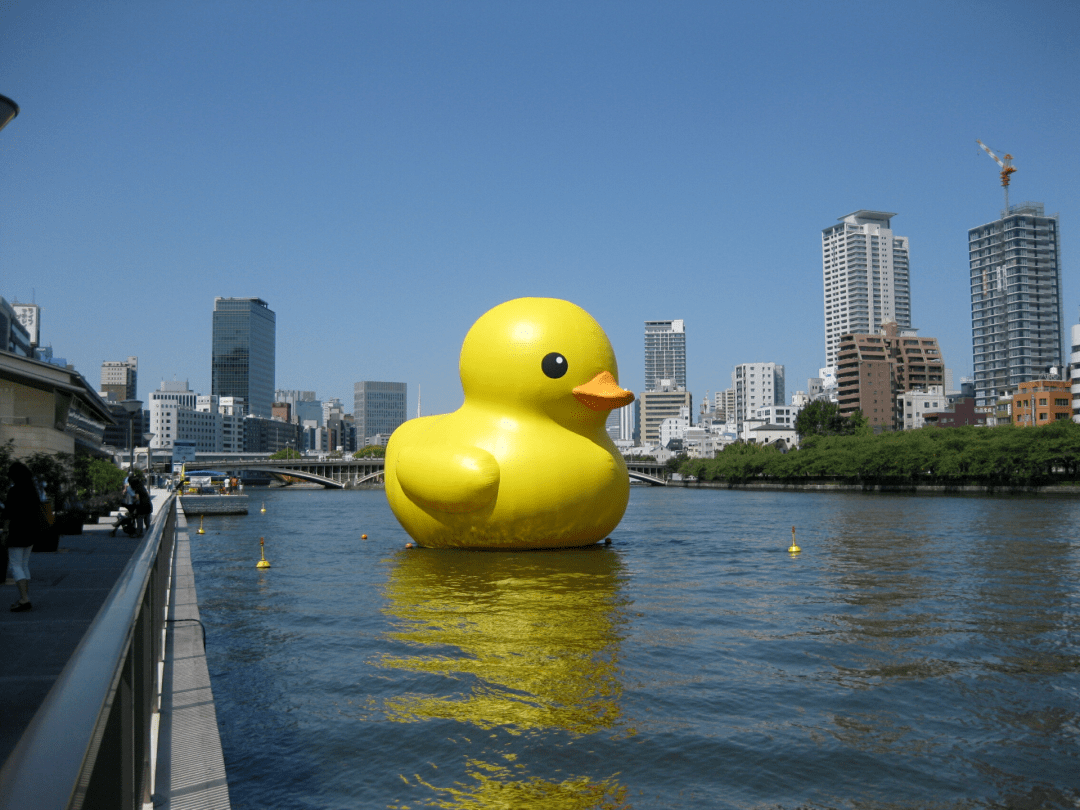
{"type": "Point", "coordinates": [1017, 325]}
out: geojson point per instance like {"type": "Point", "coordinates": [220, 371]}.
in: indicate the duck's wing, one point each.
{"type": "Point", "coordinates": [447, 477]}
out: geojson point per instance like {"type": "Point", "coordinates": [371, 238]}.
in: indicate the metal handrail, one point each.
{"type": "Point", "coordinates": [89, 743]}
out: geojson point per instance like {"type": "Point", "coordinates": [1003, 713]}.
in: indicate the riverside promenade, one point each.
{"type": "Point", "coordinates": [67, 589]}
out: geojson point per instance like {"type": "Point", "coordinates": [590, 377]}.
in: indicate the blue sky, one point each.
{"type": "Point", "coordinates": [382, 173]}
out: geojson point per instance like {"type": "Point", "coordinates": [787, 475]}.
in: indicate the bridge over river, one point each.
{"type": "Point", "coordinates": [339, 473]}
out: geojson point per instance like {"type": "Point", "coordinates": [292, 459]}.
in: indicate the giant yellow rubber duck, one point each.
{"type": "Point", "coordinates": [525, 462]}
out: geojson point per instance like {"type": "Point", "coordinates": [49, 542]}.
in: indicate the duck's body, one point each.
{"type": "Point", "coordinates": [526, 461]}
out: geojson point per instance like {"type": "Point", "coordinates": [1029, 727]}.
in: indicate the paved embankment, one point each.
{"type": "Point", "coordinates": [920, 489]}
{"type": "Point", "coordinates": [190, 766]}
{"type": "Point", "coordinates": [68, 588]}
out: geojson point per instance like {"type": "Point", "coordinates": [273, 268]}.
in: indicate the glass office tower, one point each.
{"type": "Point", "coordinates": [378, 408]}
{"type": "Point", "coordinates": [243, 352]}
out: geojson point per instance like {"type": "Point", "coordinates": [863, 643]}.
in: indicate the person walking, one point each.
{"type": "Point", "coordinates": [26, 523]}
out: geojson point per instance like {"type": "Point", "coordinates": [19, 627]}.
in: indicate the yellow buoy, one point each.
{"type": "Point", "coordinates": [262, 552]}
{"type": "Point", "coordinates": [409, 545]}
{"type": "Point", "coordinates": [363, 537]}
{"type": "Point", "coordinates": [201, 530]}
{"type": "Point", "coordinates": [263, 507]}
{"type": "Point", "coordinates": [794, 548]}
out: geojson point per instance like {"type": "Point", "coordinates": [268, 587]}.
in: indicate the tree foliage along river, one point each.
{"type": "Point", "coordinates": [1003, 456]}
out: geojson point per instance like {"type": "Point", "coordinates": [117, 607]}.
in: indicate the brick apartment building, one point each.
{"type": "Point", "coordinates": [872, 369]}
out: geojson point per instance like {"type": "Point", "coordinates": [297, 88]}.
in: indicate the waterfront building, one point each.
{"type": "Point", "coordinates": [1017, 325]}
{"type": "Point", "coordinates": [674, 428]}
{"type": "Point", "coordinates": [756, 385]}
{"type": "Point", "coordinates": [866, 277]}
{"type": "Point", "coordinates": [269, 436]}
{"type": "Point", "coordinates": [960, 412]}
{"type": "Point", "coordinates": [912, 407]}
{"type": "Point", "coordinates": [174, 416]}
{"type": "Point", "coordinates": [656, 406]}
{"type": "Point", "coordinates": [120, 377]}
{"type": "Point", "coordinates": [14, 336]}
{"type": "Point", "coordinates": [1040, 402]}
{"type": "Point", "coordinates": [49, 409]}
{"type": "Point", "coordinates": [1074, 371]}
{"type": "Point", "coordinates": [243, 352]}
{"type": "Point", "coordinates": [782, 415]}
{"type": "Point", "coordinates": [874, 369]}
{"type": "Point", "coordinates": [665, 354]}
{"type": "Point", "coordinates": [378, 408]}
{"type": "Point", "coordinates": [770, 433]}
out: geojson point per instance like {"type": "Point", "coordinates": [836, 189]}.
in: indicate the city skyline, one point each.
{"type": "Point", "coordinates": [435, 161]}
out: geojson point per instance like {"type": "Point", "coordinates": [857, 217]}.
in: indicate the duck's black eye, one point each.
{"type": "Point", "coordinates": [554, 365]}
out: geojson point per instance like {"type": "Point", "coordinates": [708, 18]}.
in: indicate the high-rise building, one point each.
{"type": "Point", "coordinates": [1017, 325]}
{"type": "Point", "coordinates": [865, 269]}
{"type": "Point", "coordinates": [378, 408]}
{"type": "Point", "coordinates": [665, 354]}
{"type": "Point", "coordinates": [244, 352]}
{"type": "Point", "coordinates": [756, 385]}
{"type": "Point", "coordinates": [120, 377]}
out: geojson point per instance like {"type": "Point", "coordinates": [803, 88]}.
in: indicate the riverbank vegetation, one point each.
{"type": "Point", "coordinates": [1003, 456]}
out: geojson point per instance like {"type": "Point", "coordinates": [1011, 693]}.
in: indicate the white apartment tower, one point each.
{"type": "Point", "coordinates": [665, 354]}
{"type": "Point", "coordinates": [865, 269]}
{"type": "Point", "coordinates": [756, 385]}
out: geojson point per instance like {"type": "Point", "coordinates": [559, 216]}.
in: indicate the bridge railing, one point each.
{"type": "Point", "coordinates": [88, 745]}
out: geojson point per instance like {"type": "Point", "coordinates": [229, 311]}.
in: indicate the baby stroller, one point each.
{"type": "Point", "coordinates": [126, 521]}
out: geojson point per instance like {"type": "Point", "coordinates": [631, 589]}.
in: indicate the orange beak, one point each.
{"type": "Point", "coordinates": [602, 393]}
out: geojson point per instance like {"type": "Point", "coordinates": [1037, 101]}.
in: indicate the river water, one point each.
{"type": "Point", "coordinates": [921, 652]}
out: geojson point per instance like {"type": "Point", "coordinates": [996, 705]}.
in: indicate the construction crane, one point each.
{"type": "Point", "coordinates": [1006, 170]}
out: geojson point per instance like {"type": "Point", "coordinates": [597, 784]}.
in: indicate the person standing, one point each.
{"type": "Point", "coordinates": [25, 523]}
{"type": "Point", "coordinates": [144, 506]}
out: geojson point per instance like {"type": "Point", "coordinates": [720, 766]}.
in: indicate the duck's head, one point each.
{"type": "Point", "coordinates": [542, 354]}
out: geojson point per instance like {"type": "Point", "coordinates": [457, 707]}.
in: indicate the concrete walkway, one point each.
{"type": "Point", "coordinates": [67, 589]}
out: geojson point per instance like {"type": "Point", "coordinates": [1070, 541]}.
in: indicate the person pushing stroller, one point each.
{"type": "Point", "coordinates": [137, 502]}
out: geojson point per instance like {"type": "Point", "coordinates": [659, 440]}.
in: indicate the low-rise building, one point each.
{"type": "Point", "coordinates": [49, 409]}
{"type": "Point", "coordinates": [1040, 402]}
{"type": "Point", "coordinates": [913, 406]}
{"type": "Point", "coordinates": [963, 411]}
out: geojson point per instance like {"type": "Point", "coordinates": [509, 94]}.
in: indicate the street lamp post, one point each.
{"type": "Point", "coordinates": [8, 110]}
{"type": "Point", "coordinates": [132, 406]}
{"type": "Point", "coordinates": [148, 437]}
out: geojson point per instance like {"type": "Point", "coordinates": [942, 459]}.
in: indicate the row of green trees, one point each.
{"type": "Point", "coordinates": [72, 481]}
{"type": "Point", "coordinates": [1003, 456]}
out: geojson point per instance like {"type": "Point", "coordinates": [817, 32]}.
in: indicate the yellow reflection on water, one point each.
{"type": "Point", "coordinates": [530, 641]}
{"type": "Point", "coordinates": [496, 789]}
